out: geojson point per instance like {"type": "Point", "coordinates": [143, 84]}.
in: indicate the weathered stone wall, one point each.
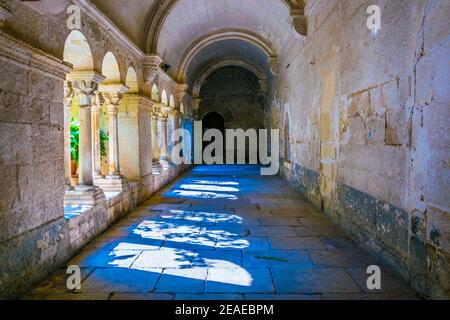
{"type": "Point", "coordinates": [35, 237]}
{"type": "Point", "coordinates": [369, 121]}
{"type": "Point", "coordinates": [31, 159]}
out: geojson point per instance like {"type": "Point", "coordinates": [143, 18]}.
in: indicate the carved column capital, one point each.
{"type": "Point", "coordinates": [112, 94]}
{"type": "Point", "coordinates": [299, 21]}
{"type": "Point", "coordinates": [68, 93]}
{"type": "Point", "coordinates": [182, 91]}
{"type": "Point", "coordinates": [85, 91]}
{"type": "Point", "coordinates": [274, 65]}
{"type": "Point", "coordinates": [85, 83]}
{"type": "Point", "coordinates": [196, 103]}
{"type": "Point", "coordinates": [152, 63]}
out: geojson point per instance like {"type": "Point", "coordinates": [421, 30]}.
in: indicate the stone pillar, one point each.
{"type": "Point", "coordinates": [155, 144]}
{"type": "Point", "coordinates": [196, 106]}
{"type": "Point", "coordinates": [163, 159]}
{"type": "Point", "coordinates": [172, 125]}
{"type": "Point", "coordinates": [68, 95]}
{"type": "Point", "coordinates": [113, 157]}
{"type": "Point", "coordinates": [96, 153]}
{"type": "Point", "coordinates": [85, 193]}
{"type": "Point", "coordinates": [114, 181]}
{"type": "Point", "coordinates": [85, 148]}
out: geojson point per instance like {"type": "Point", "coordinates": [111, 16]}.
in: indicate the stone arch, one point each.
{"type": "Point", "coordinates": [226, 112]}
{"type": "Point", "coordinates": [182, 107]}
{"type": "Point", "coordinates": [157, 15]}
{"type": "Point", "coordinates": [110, 68]}
{"type": "Point", "coordinates": [132, 81]}
{"type": "Point", "coordinates": [155, 93]}
{"type": "Point", "coordinates": [78, 52]}
{"type": "Point", "coordinates": [171, 101]}
{"type": "Point", "coordinates": [164, 99]}
{"type": "Point", "coordinates": [225, 34]}
{"type": "Point", "coordinates": [209, 69]}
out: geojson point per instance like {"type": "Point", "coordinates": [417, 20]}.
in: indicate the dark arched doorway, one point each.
{"type": "Point", "coordinates": [213, 120]}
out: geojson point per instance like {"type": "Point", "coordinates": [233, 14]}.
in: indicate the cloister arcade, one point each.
{"type": "Point", "coordinates": [91, 95]}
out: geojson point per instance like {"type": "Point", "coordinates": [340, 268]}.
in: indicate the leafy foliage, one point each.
{"type": "Point", "coordinates": [75, 141]}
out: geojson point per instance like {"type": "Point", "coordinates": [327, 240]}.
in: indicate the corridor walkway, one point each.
{"type": "Point", "coordinates": [224, 232]}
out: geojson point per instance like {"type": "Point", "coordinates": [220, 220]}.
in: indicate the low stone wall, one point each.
{"type": "Point", "coordinates": [28, 258]}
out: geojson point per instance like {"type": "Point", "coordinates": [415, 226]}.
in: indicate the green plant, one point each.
{"type": "Point", "coordinates": [75, 141]}
{"type": "Point", "coordinates": [103, 138]}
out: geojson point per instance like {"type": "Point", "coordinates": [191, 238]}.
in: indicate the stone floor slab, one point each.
{"type": "Point", "coordinates": [314, 281]}
{"type": "Point", "coordinates": [190, 280]}
{"type": "Point", "coordinates": [266, 241]}
{"type": "Point", "coordinates": [121, 280]}
{"type": "Point", "coordinates": [352, 257]}
{"type": "Point", "coordinates": [174, 258]}
{"type": "Point", "coordinates": [239, 281]}
{"type": "Point", "coordinates": [296, 243]}
{"type": "Point", "coordinates": [295, 259]}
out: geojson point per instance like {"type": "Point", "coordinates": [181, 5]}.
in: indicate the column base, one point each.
{"type": "Point", "coordinates": [84, 196]}
{"type": "Point", "coordinates": [156, 167]}
{"type": "Point", "coordinates": [164, 164]}
{"type": "Point", "coordinates": [113, 183]}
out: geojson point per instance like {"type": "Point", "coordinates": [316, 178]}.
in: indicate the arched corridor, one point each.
{"type": "Point", "coordinates": [224, 233]}
{"type": "Point", "coordinates": [326, 174]}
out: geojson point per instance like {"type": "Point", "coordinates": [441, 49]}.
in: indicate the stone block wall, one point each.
{"type": "Point", "coordinates": [369, 133]}
{"type": "Point", "coordinates": [31, 158]}
{"type": "Point", "coordinates": [36, 238]}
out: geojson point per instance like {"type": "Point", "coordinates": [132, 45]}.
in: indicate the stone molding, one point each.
{"type": "Point", "coordinates": [5, 11]}
{"type": "Point", "coordinates": [299, 22]}
{"type": "Point", "coordinates": [160, 11]}
{"type": "Point", "coordinates": [137, 99]}
{"type": "Point", "coordinates": [310, 6]}
{"type": "Point", "coordinates": [219, 35]}
{"type": "Point", "coordinates": [20, 53]}
{"type": "Point", "coordinates": [95, 14]}
{"type": "Point", "coordinates": [210, 68]}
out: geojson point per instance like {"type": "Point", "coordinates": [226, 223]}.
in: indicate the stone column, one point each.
{"type": "Point", "coordinates": [155, 144]}
{"type": "Point", "coordinates": [68, 96]}
{"type": "Point", "coordinates": [196, 106]}
{"type": "Point", "coordinates": [85, 181]}
{"type": "Point", "coordinates": [96, 153]}
{"type": "Point", "coordinates": [163, 159]}
{"type": "Point", "coordinates": [113, 110]}
{"type": "Point", "coordinates": [85, 193]}
{"type": "Point", "coordinates": [114, 181]}
{"type": "Point", "coordinates": [172, 125]}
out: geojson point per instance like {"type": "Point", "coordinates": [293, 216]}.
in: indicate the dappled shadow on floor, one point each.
{"type": "Point", "coordinates": [224, 232]}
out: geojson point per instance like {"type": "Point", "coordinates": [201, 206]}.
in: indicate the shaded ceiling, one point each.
{"type": "Point", "coordinates": [128, 15]}
{"type": "Point", "coordinates": [226, 50]}
{"type": "Point", "coordinates": [170, 28]}
{"type": "Point", "coordinates": [190, 20]}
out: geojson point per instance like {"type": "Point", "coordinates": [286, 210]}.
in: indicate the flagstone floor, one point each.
{"type": "Point", "coordinates": [225, 233]}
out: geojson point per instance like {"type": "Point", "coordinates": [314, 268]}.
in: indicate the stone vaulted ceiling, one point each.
{"type": "Point", "coordinates": [172, 28]}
